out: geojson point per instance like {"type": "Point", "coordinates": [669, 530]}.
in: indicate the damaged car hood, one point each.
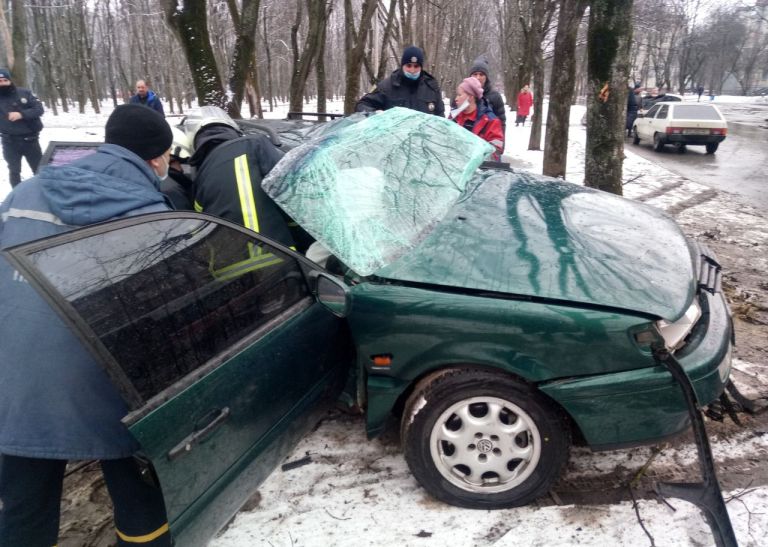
{"type": "Point", "coordinates": [533, 236]}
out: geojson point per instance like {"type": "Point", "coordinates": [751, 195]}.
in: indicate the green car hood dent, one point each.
{"type": "Point", "coordinates": [545, 238]}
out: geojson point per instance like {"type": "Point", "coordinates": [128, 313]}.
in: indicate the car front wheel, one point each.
{"type": "Point", "coordinates": [658, 142]}
{"type": "Point", "coordinates": [712, 147]}
{"type": "Point", "coordinates": [480, 439]}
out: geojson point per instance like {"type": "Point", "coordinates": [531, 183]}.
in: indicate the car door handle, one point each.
{"type": "Point", "coordinates": [199, 435]}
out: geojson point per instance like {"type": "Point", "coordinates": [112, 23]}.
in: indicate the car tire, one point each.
{"type": "Point", "coordinates": [514, 441]}
{"type": "Point", "coordinates": [658, 142]}
{"type": "Point", "coordinates": [712, 147]}
{"type": "Point", "coordinates": [635, 136]}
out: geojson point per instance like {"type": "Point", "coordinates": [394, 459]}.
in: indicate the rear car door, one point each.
{"type": "Point", "coordinates": [213, 336]}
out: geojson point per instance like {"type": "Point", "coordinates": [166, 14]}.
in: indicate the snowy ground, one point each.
{"type": "Point", "coordinates": [359, 492]}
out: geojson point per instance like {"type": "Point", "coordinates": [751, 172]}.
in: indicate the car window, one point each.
{"type": "Point", "coordinates": [696, 112]}
{"type": "Point", "coordinates": [167, 296]}
{"type": "Point", "coordinates": [662, 112]}
{"type": "Point", "coordinates": [652, 111]}
{"type": "Point", "coordinates": [373, 190]}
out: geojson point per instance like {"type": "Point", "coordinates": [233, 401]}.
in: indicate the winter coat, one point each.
{"type": "Point", "coordinates": [55, 399]}
{"type": "Point", "coordinates": [151, 100]}
{"type": "Point", "coordinates": [19, 99]}
{"type": "Point", "coordinates": [228, 185]}
{"type": "Point", "coordinates": [423, 94]}
{"type": "Point", "coordinates": [632, 104]}
{"type": "Point", "coordinates": [484, 123]}
{"type": "Point", "coordinates": [524, 103]}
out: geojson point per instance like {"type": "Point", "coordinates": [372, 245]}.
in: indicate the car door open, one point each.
{"type": "Point", "coordinates": [213, 337]}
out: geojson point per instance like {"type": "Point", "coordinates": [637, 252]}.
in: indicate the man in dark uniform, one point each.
{"type": "Point", "coordinates": [20, 126]}
{"type": "Point", "coordinates": [409, 86]}
{"type": "Point", "coordinates": [230, 168]}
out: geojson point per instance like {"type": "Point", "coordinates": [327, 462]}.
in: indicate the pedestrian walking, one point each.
{"type": "Point", "coordinates": [699, 92]}
{"type": "Point", "coordinates": [56, 401]}
{"type": "Point", "coordinates": [409, 86]}
{"type": "Point", "coordinates": [524, 104]}
{"type": "Point", "coordinates": [20, 126]}
{"type": "Point", "coordinates": [474, 114]}
{"type": "Point", "coordinates": [147, 97]}
{"type": "Point", "coordinates": [480, 70]}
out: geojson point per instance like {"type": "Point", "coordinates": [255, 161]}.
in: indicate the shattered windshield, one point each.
{"type": "Point", "coordinates": [372, 190]}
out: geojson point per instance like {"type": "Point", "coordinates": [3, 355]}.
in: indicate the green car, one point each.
{"type": "Point", "coordinates": [497, 316]}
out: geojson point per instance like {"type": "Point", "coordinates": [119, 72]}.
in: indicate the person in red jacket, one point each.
{"type": "Point", "coordinates": [524, 104]}
{"type": "Point", "coordinates": [474, 114]}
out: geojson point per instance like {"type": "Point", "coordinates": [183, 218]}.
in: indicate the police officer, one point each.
{"type": "Point", "coordinates": [20, 126]}
{"type": "Point", "coordinates": [409, 86]}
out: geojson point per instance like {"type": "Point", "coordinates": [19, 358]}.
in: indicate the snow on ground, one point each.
{"type": "Point", "coordinates": [358, 492]}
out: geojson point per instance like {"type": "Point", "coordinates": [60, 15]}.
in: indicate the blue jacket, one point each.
{"type": "Point", "coordinates": [151, 100]}
{"type": "Point", "coordinates": [55, 399]}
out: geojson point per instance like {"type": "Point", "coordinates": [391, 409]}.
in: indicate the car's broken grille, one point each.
{"type": "Point", "coordinates": [709, 270]}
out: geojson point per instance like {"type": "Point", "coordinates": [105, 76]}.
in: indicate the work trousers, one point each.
{"type": "Point", "coordinates": [30, 497]}
{"type": "Point", "coordinates": [16, 147]}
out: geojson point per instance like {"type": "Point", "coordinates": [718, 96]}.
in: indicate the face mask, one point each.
{"type": "Point", "coordinates": [412, 76]}
{"type": "Point", "coordinates": [167, 168]}
{"type": "Point", "coordinates": [456, 111]}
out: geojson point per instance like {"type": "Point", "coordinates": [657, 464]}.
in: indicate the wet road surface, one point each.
{"type": "Point", "coordinates": [739, 166]}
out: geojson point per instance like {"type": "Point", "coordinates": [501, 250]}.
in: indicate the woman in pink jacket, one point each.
{"type": "Point", "coordinates": [524, 104]}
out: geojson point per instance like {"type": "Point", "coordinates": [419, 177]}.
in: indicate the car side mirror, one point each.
{"type": "Point", "coordinates": [333, 294]}
{"type": "Point", "coordinates": [640, 115]}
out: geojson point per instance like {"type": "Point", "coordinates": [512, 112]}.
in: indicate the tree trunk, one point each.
{"type": "Point", "coordinates": [6, 43]}
{"type": "Point", "coordinates": [189, 22]}
{"type": "Point", "coordinates": [540, 19]}
{"type": "Point", "coordinates": [245, 46]}
{"type": "Point", "coordinates": [19, 39]}
{"type": "Point", "coordinates": [381, 71]}
{"type": "Point", "coordinates": [355, 46]}
{"type": "Point", "coordinates": [302, 62]}
{"type": "Point", "coordinates": [561, 87]}
{"type": "Point", "coordinates": [322, 91]}
{"type": "Point", "coordinates": [609, 39]}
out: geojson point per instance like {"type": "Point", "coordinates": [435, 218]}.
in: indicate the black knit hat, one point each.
{"type": "Point", "coordinates": [480, 65]}
{"type": "Point", "coordinates": [412, 54]}
{"type": "Point", "coordinates": [139, 129]}
{"type": "Point", "coordinates": [5, 73]}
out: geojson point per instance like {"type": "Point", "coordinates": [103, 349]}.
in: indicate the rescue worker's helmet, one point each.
{"type": "Point", "coordinates": [181, 147]}
{"type": "Point", "coordinates": [205, 116]}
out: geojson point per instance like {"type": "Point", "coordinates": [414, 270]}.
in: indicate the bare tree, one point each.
{"type": "Point", "coordinates": [317, 12]}
{"type": "Point", "coordinates": [355, 38]}
{"type": "Point", "coordinates": [188, 20]}
{"type": "Point", "coordinates": [246, 24]}
{"type": "Point", "coordinates": [610, 35]}
{"type": "Point", "coordinates": [561, 87]}
{"type": "Point", "coordinates": [19, 40]}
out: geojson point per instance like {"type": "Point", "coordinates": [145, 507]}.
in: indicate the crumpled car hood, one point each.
{"type": "Point", "coordinates": [539, 237]}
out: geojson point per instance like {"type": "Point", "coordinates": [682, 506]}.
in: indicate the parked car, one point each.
{"type": "Point", "coordinates": [498, 316]}
{"type": "Point", "coordinates": [681, 124]}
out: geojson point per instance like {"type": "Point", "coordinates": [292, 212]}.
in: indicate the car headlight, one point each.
{"type": "Point", "coordinates": [675, 333]}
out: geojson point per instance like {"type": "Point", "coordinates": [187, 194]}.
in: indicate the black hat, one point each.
{"type": "Point", "coordinates": [480, 65]}
{"type": "Point", "coordinates": [5, 73]}
{"type": "Point", "coordinates": [412, 54]}
{"type": "Point", "coordinates": [139, 129]}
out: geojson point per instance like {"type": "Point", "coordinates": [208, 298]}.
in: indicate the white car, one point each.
{"type": "Point", "coordinates": [681, 124]}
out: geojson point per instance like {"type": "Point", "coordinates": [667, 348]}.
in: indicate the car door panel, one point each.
{"type": "Point", "coordinates": [214, 338]}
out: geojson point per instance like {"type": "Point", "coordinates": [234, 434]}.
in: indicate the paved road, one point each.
{"type": "Point", "coordinates": [740, 165]}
